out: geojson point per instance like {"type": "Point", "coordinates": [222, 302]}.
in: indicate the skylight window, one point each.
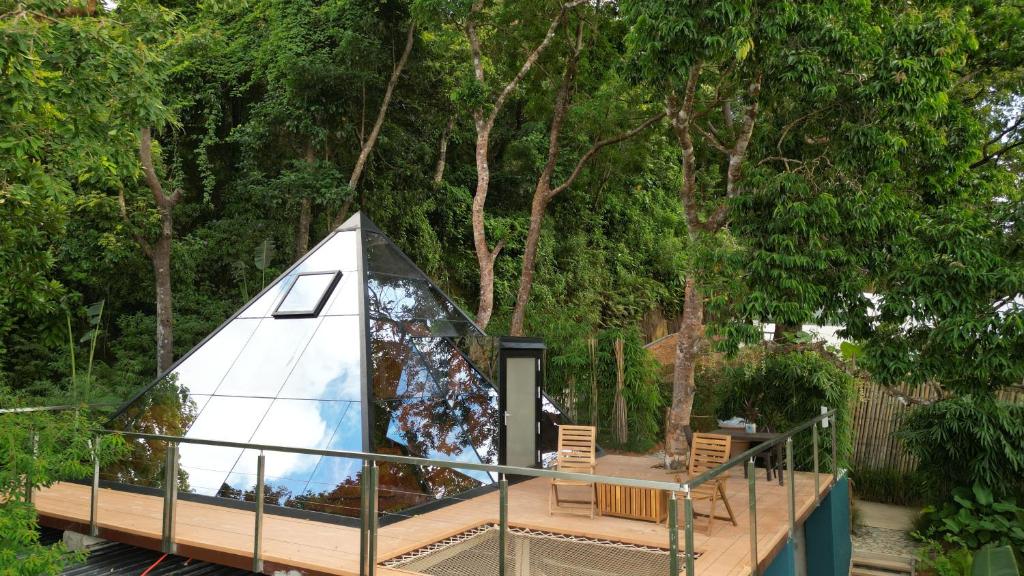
{"type": "Point", "coordinates": [307, 295]}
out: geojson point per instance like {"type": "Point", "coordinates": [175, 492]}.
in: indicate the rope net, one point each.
{"type": "Point", "coordinates": [534, 553]}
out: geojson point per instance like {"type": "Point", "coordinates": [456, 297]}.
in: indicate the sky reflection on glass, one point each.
{"type": "Point", "coordinates": [299, 382]}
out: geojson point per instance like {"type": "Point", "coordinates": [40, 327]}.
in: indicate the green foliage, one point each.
{"type": "Point", "coordinates": [42, 448]}
{"type": "Point", "coordinates": [968, 439]}
{"type": "Point", "coordinates": [781, 387]}
{"type": "Point", "coordinates": [995, 561]}
{"type": "Point", "coordinates": [938, 560]}
{"type": "Point", "coordinates": [974, 519]}
{"type": "Point", "coordinates": [890, 486]}
{"type": "Point", "coordinates": [643, 392]}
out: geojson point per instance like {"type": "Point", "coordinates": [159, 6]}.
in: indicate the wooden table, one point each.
{"type": "Point", "coordinates": [647, 504]}
{"type": "Point", "coordinates": [743, 441]}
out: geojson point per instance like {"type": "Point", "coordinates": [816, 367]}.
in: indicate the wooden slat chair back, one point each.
{"type": "Point", "coordinates": [707, 452]}
{"type": "Point", "coordinates": [577, 452]}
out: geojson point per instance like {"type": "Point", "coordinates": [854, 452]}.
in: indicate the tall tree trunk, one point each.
{"type": "Point", "coordinates": [691, 330]}
{"type": "Point", "coordinates": [442, 153]}
{"type": "Point", "coordinates": [161, 260]}
{"type": "Point", "coordinates": [302, 227]}
{"type": "Point", "coordinates": [785, 332]}
{"type": "Point", "coordinates": [537, 210]}
{"type": "Point", "coordinates": [483, 123]}
{"type": "Point", "coordinates": [543, 192]}
{"type": "Point", "coordinates": [367, 147]}
{"type": "Point", "coordinates": [688, 349]}
{"type": "Point", "coordinates": [159, 252]}
{"type": "Point", "coordinates": [484, 255]}
{"type": "Point", "coordinates": [305, 213]}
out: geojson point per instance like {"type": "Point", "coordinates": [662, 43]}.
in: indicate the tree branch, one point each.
{"type": "Point", "coordinates": [396, 73]}
{"type": "Point", "coordinates": [527, 64]}
{"type": "Point", "coordinates": [681, 115]}
{"type": "Point", "coordinates": [737, 155]}
{"type": "Point", "coordinates": [147, 249]}
{"type": "Point", "coordinates": [989, 157]}
{"type": "Point", "coordinates": [149, 172]}
{"type": "Point", "coordinates": [711, 138]}
{"type": "Point", "coordinates": [597, 148]}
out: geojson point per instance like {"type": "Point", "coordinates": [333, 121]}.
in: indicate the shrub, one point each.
{"type": "Point", "coordinates": [645, 396]}
{"type": "Point", "coordinates": [968, 439]}
{"type": "Point", "coordinates": [787, 385]}
{"type": "Point", "coordinates": [889, 486]}
{"type": "Point", "coordinates": [973, 519]}
{"type": "Point", "coordinates": [937, 560]}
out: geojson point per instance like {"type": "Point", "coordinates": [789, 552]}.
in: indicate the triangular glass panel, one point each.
{"type": "Point", "coordinates": [353, 348]}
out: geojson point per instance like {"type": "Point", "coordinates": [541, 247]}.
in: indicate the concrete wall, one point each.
{"type": "Point", "coordinates": [785, 563]}
{"type": "Point", "coordinates": [822, 546]}
{"type": "Point", "coordinates": [827, 532]}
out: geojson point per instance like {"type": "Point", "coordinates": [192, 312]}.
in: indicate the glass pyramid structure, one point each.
{"type": "Point", "coordinates": [352, 348]}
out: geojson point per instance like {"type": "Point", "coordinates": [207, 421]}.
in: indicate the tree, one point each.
{"type": "Point", "coordinates": [73, 76]}
{"type": "Point", "coordinates": [484, 109]}
{"type": "Point", "coordinates": [155, 26]}
{"type": "Point", "coordinates": [36, 451]}
{"type": "Point", "coordinates": [784, 98]}
{"type": "Point", "coordinates": [545, 190]}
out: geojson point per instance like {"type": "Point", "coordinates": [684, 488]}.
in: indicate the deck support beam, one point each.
{"type": "Point", "coordinates": [691, 554]}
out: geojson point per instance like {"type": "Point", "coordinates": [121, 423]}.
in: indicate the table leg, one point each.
{"type": "Point", "coordinates": [779, 459]}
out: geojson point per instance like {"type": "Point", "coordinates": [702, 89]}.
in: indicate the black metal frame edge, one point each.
{"type": "Point", "coordinates": [319, 304]}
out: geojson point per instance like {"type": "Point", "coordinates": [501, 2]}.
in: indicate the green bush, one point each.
{"type": "Point", "coordinates": [934, 558]}
{"type": "Point", "coordinates": [974, 519]}
{"type": "Point", "coordinates": [889, 486]}
{"type": "Point", "coordinates": [968, 439]}
{"type": "Point", "coordinates": [780, 387]}
{"type": "Point", "coordinates": [45, 448]}
{"type": "Point", "coordinates": [646, 398]}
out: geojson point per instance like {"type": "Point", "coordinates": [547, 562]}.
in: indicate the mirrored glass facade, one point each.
{"type": "Point", "coordinates": [378, 359]}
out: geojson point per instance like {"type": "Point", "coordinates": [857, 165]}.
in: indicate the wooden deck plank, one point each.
{"type": "Point", "coordinates": [334, 549]}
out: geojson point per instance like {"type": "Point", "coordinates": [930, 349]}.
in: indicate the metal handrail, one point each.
{"type": "Point", "coordinates": [52, 408]}
{"type": "Point", "coordinates": [417, 461]}
{"type": "Point", "coordinates": [369, 509]}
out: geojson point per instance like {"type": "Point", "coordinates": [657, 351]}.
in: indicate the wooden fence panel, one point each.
{"type": "Point", "coordinates": [877, 417]}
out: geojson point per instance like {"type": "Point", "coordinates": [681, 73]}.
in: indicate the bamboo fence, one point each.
{"type": "Point", "coordinates": [877, 417]}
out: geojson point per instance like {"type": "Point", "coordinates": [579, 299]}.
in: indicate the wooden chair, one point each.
{"type": "Point", "coordinates": [577, 452]}
{"type": "Point", "coordinates": [709, 451]}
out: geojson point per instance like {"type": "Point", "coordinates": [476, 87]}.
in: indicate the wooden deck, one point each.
{"type": "Point", "coordinates": [225, 535]}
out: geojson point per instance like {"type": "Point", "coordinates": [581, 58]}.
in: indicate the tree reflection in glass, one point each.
{"type": "Point", "coordinates": [167, 409]}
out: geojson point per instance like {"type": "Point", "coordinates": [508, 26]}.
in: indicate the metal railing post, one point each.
{"type": "Point", "coordinates": [34, 441]}
{"type": "Point", "coordinates": [752, 487]}
{"type": "Point", "coordinates": [257, 543]}
{"type": "Point", "coordinates": [94, 490]}
{"type": "Point", "coordinates": [673, 535]}
{"type": "Point", "coordinates": [835, 449]}
{"type": "Point", "coordinates": [814, 444]}
{"type": "Point", "coordinates": [364, 515]}
{"type": "Point", "coordinates": [791, 488]}
{"type": "Point", "coordinates": [502, 523]}
{"type": "Point", "coordinates": [688, 528]}
{"type": "Point", "coordinates": [371, 534]}
{"type": "Point", "coordinates": [170, 498]}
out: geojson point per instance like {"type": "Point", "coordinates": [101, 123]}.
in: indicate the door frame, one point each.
{"type": "Point", "coordinates": [518, 347]}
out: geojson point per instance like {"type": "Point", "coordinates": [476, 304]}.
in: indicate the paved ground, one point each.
{"type": "Point", "coordinates": [885, 529]}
